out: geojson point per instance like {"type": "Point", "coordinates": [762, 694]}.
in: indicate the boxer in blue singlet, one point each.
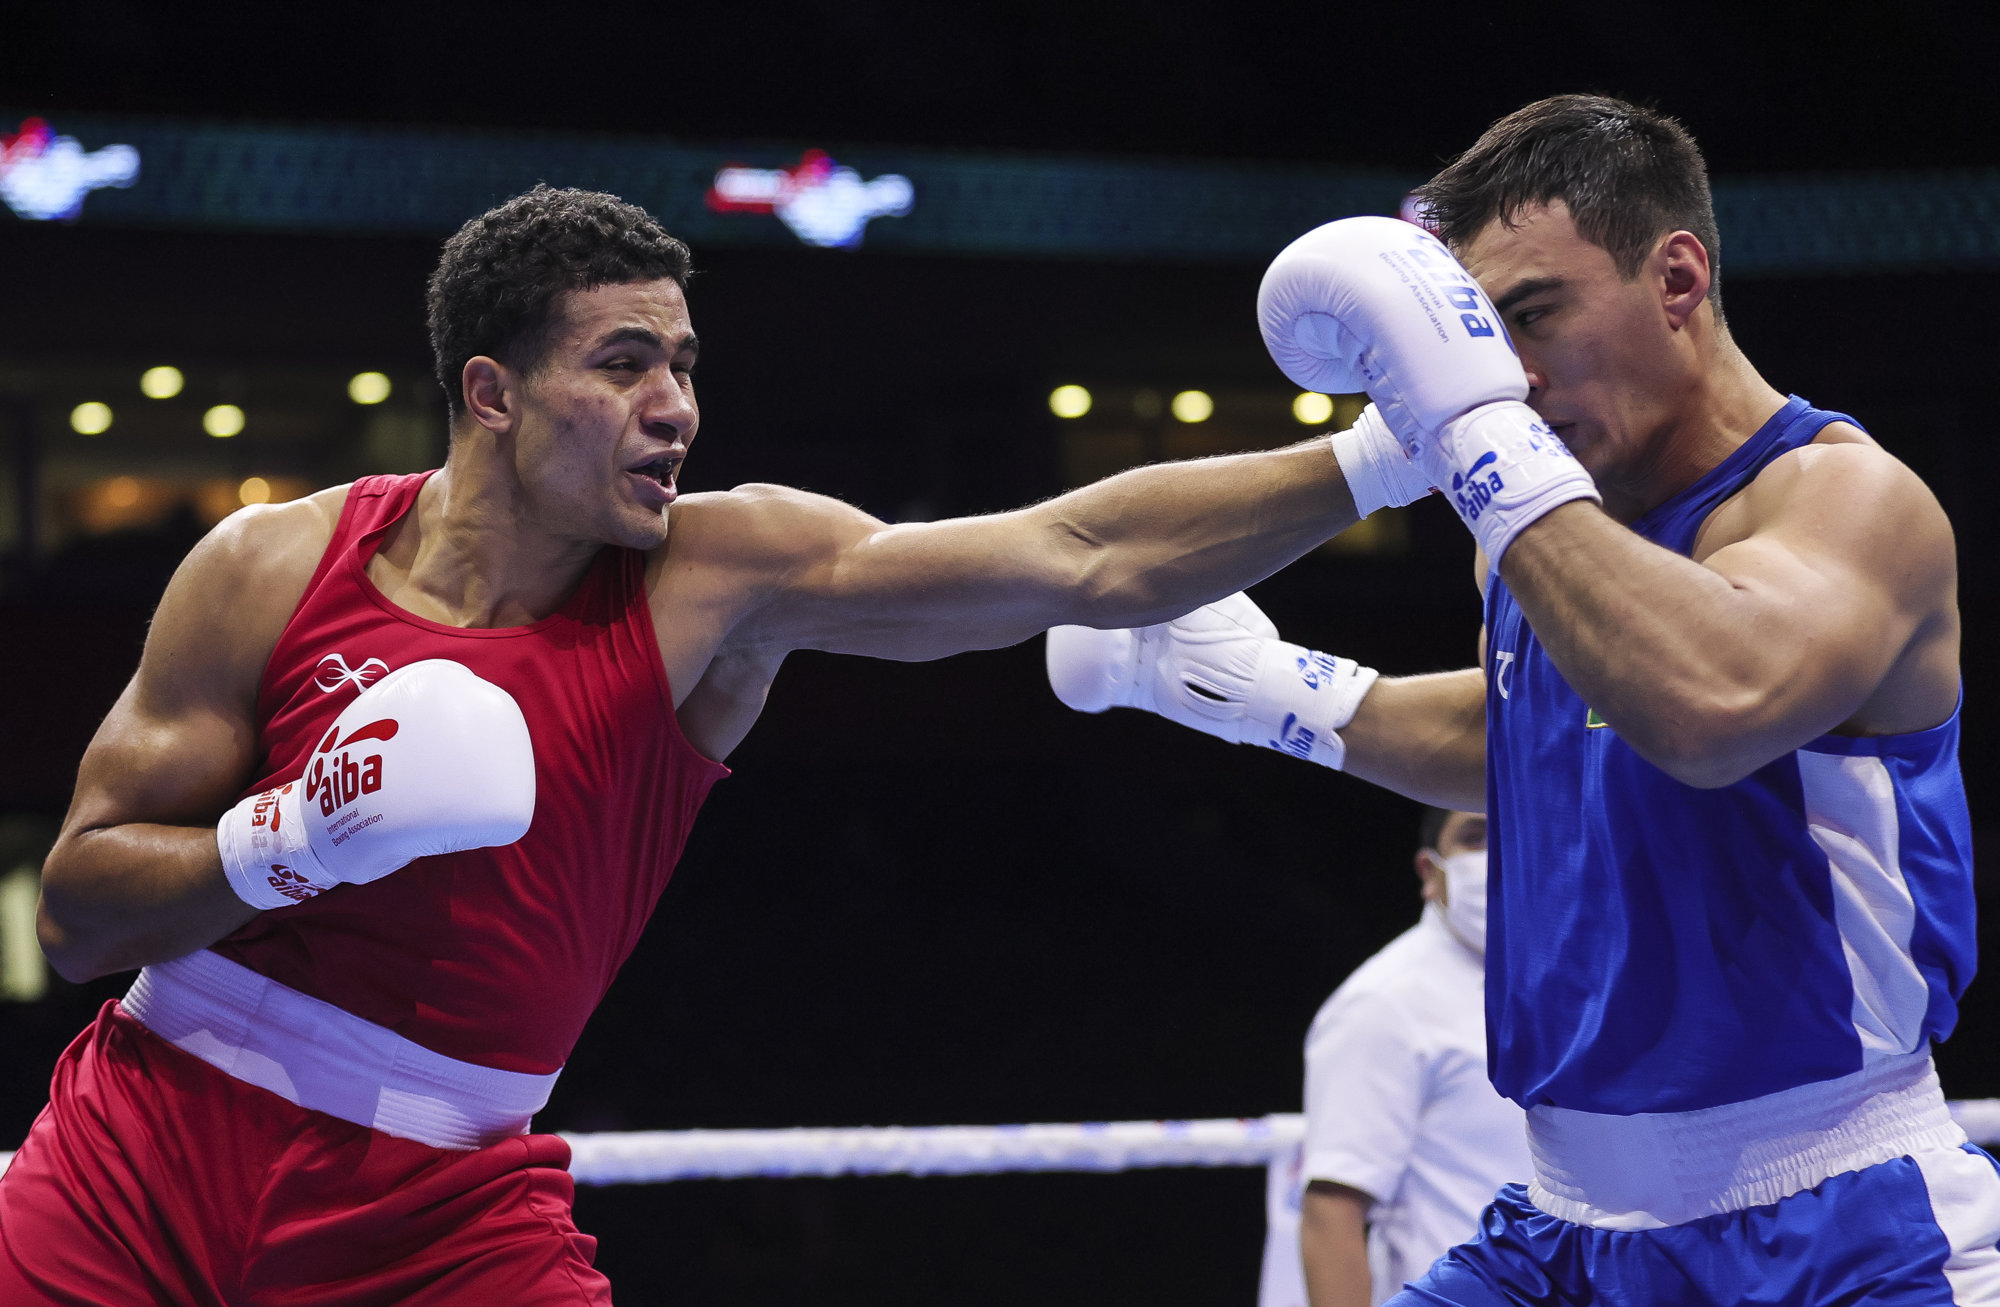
{"type": "Point", "coordinates": [1715, 733]}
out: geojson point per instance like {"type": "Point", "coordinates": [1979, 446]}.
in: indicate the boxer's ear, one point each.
{"type": "Point", "coordinates": [1685, 276]}
{"type": "Point", "coordinates": [491, 391]}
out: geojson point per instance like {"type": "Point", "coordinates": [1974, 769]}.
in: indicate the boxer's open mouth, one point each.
{"type": "Point", "coordinates": [661, 469]}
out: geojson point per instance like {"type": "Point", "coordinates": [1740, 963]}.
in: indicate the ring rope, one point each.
{"type": "Point", "coordinates": [655, 1156]}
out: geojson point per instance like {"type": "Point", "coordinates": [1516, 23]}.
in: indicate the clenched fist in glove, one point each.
{"type": "Point", "coordinates": [1379, 304]}
{"type": "Point", "coordinates": [1222, 670]}
{"type": "Point", "coordinates": [429, 759]}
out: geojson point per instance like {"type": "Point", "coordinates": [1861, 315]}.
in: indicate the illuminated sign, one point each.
{"type": "Point", "coordinates": [823, 203]}
{"type": "Point", "coordinates": [224, 176]}
{"type": "Point", "coordinates": [44, 176]}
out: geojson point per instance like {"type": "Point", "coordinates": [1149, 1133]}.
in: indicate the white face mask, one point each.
{"type": "Point", "coordinates": [1465, 887]}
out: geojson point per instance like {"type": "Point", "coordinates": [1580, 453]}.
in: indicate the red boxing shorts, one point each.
{"type": "Point", "coordinates": [152, 1177]}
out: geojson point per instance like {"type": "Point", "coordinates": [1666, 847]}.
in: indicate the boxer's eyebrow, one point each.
{"type": "Point", "coordinates": [637, 335]}
{"type": "Point", "coordinates": [1522, 290]}
{"type": "Point", "coordinates": [689, 345]}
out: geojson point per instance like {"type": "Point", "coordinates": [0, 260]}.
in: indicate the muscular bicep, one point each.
{"type": "Point", "coordinates": [181, 739]}
{"type": "Point", "coordinates": [1846, 571]}
{"type": "Point", "coordinates": [152, 762]}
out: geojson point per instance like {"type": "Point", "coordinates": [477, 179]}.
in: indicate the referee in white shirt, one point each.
{"type": "Point", "coordinates": [1406, 1142]}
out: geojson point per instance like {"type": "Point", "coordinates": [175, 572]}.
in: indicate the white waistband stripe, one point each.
{"type": "Point", "coordinates": [320, 1057]}
{"type": "Point", "coordinates": [1651, 1170]}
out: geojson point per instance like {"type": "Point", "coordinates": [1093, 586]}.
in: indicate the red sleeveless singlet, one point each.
{"type": "Point", "coordinates": [492, 956]}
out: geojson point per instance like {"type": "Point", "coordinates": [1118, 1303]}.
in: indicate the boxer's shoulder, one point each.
{"type": "Point", "coordinates": [757, 528]}
{"type": "Point", "coordinates": [267, 549]}
{"type": "Point", "coordinates": [1841, 487]}
{"type": "Point", "coordinates": [229, 600]}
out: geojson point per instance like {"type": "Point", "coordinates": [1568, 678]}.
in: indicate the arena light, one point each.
{"type": "Point", "coordinates": [222, 421]}
{"type": "Point", "coordinates": [162, 382]}
{"type": "Point", "coordinates": [1312, 408]}
{"type": "Point", "coordinates": [1069, 401]}
{"type": "Point", "coordinates": [368, 387]}
{"type": "Point", "coordinates": [1193, 406]}
{"type": "Point", "coordinates": [90, 418]}
{"type": "Point", "coordinates": [254, 490]}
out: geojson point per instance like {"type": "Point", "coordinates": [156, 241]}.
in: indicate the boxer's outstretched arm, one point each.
{"type": "Point", "coordinates": [1822, 598]}
{"type": "Point", "coordinates": [1136, 548]}
{"type": "Point", "coordinates": [1223, 670]}
{"type": "Point", "coordinates": [1423, 737]}
{"type": "Point", "coordinates": [135, 876]}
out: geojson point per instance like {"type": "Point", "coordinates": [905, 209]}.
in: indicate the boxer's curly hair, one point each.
{"type": "Point", "coordinates": [1628, 174]}
{"type": "Point", "coordinates": [497, 284]}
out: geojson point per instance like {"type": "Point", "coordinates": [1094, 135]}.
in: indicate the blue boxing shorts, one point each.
{"type": "Point", "coordinates": [1708, 1207]}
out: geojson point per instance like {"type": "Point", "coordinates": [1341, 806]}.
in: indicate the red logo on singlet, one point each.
{"type": "Point", "coordinates": [333, 672]}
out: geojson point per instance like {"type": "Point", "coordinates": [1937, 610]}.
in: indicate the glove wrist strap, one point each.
{"type": "Point", "coordinates": [267, 855]}
{"type": "Point", "coordinates": [1301, 699]}
{"type": "Point", "coordinates": [1502, 469]}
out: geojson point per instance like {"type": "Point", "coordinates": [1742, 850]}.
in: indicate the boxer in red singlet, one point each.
{"type": "Point", "coordinates": [318, 1089]}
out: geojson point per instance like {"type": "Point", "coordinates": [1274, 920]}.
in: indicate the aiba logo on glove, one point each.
{"type": "Point", "coordinates": [1317, 669]}
{"type": "Point", "coordinates": [336, 778]}
{"type": "Point", "coordinates": [1456, 284]}
{"type": "Point", "coordinates": [1294, 737]}
{"type": "Point", "coordinates": [1471, 494]}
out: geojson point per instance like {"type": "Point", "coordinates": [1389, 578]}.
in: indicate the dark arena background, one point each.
{"type": "Point", "coordinates": [929, 894]}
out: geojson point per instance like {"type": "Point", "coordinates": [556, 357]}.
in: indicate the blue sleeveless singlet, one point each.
{"type": "Point", "coordinates": [1654, 947]}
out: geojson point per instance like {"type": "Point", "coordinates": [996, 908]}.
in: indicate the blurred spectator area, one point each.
{"type": "Point", "coordinates": [94, 455]}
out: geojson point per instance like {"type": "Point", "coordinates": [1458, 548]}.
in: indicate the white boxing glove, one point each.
{"type": "Point", "coordinates": [1223, 671]}
{"type": "Point", "coordinates": [429, 759]}
{"type": "Point", "coordinates": [1379, 304]}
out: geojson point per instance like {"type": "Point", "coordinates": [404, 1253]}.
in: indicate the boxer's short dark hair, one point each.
{"type": "Point", "coordinates": [496, 287]}
{"type": "Point", "coordinates": [1628, 174]}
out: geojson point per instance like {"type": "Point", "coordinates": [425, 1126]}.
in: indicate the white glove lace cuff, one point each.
{"type": "Point", "coordinates": [1378, 472]}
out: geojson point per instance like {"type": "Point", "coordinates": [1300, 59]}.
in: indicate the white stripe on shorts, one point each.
{"type": "Point", "coordinates": [1965, 1201]}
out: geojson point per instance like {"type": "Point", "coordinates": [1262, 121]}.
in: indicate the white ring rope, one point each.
{"type": "Point", "coordinates": [650, 1156]}
{"type": "Point", "coordinates": [654, 1156]}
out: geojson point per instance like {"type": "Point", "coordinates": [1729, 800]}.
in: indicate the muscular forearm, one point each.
{"type": "Point", "coordinates": [1423, 737]}
{"type": "Point", "coordinates": [1153, 543]}
{"type": "Point", "coordinates": [124, 896]}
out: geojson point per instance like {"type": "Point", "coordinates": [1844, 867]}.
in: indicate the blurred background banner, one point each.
{"type": "Point", "coordinates": [387, 181]}
{"type": "Point", "coordinates": [949, 260]}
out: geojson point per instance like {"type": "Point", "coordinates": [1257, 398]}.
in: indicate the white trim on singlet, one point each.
{"type": "Point", "coordinates": [321, 1057]}
{"type": "Point", "coordinates": [1850, 803]}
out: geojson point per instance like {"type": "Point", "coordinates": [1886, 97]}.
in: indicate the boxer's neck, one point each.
{"type": "Point", "coordinates": [1724, 404]}
{"type": "Point", "coordinates": [471, 553]}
